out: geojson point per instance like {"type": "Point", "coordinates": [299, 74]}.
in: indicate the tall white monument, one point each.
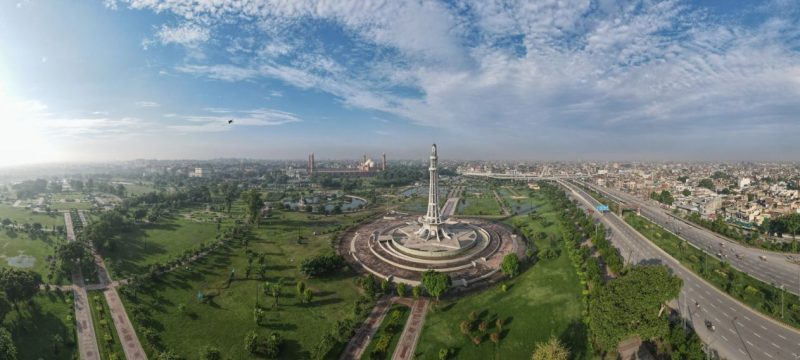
{"type": "Point", "coordinates": [433, 226]}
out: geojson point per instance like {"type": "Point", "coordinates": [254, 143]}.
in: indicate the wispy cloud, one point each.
{"type": "Point", "coordinates": [147, 104]}
{"type": "Point", "coordinates": [524, 69]}
{"type": "Point", "coordinates": [216, 119]}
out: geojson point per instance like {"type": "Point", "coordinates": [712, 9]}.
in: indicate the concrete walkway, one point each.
{"type": "Point", "coordinates": [358, 344]}
{"type": "Point", "coordinates": [87, 339]}
{"type": "Point", "coordinates": [408, 340]}
{"type": "Point", "coordinates": [130, 342]}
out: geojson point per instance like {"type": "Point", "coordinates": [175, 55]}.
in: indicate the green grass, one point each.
{"type": "Point", "coordinates": [13, 244]}
{"type": "Point", "coordinates": [543, 301]}
{"type": "Point", "coordinates": [22, 215]}
{"type": "Point", "coordinates": [107, 338]}
{"type": "Point", "coordinates": [137, 188]}
{"type": "Point", "coordinates": [155, 243]}
{"type": "Point", "coordinates": [384, 330]}
{"type": "Point", "coordinates": [35, 327]}
{"type": "Point", "coordinates": [479, 204]}
{"type": "Point", "coordinates": [224, 322]}
{"type": "Point", "coordinates": [756, 294]}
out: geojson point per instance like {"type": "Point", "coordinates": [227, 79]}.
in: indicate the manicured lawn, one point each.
{"type": "Point", "coordinates": [482, 203]}
{"type": "Point", "coordinates": [224, 321]}
{"type": "Point", "coordinates": [107, 338]}
{"type": "Point", "coordinates": [35, 328]}
{"type": "Point", "coordinates": [387, 328]}
{"type": "Point", "coordinates": [545, 300]}
{"type": "Point", "coordinates": [18, 249]}
{"type": "Point", "coordinates": [158, 242]}
{"type": "Point", "coordinates": [22, 215]}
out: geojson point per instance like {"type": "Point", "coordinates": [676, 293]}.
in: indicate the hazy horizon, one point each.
{"type": "Point", "coordinates": [600, 80]}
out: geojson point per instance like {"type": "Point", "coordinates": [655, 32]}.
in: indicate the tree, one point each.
{"type": "Point", "coordinates": [272, 346]}
{"type": "Point", "coordinates": [416, 291]}
{"type": "Point", "coordinates": [168, 355]}
{"type": "Point", "coordinates": [707, 183]}
{"type": "Point", "coordinates": [510, 265]}
{"type": "Point", "coordinates": [553, 349]}
{"type": "Point", "coordinates": [401, 290]}
{"type": "Point", "coordinates": [301, 287]}
{"type": "Point", "coordinates": [19, 285]}
{"type": "Point", "coordinates": [210, 353]}
{"type": "Point", "coordinates": [322, 265]}
{"type": "Point", "coordinates": [251, 342]}
{"type": "Point", "coordinates": [631, 304]}
{"type": "Point", "coordinates": [495, 337]}
{"type": "Point", "coordinates": [253, 203]}
{"type": "Point", "coordinates": [465, 327]}
{"type": "Point", "coordinates": [436, 283]}
{"type": "Point", "coordinates": [686, 192]}
{"type": "Point", "coordinates": [483, 326]}
{"type": "Point", "coordinates": [8, 350]}
{"type": "Point", "coordinates": [308, 295]}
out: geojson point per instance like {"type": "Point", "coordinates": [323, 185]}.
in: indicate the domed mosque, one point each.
{"type": "Point", "coordinates": [400, 247]}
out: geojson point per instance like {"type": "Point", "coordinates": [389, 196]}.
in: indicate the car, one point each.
{"type": "Point", "coordinates": [719, 255]}
{"type": "Point", "coordinates": [762, 257]}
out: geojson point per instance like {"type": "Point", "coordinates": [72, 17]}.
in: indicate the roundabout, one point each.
{"type": "Point", "coordinates": [400, 247]}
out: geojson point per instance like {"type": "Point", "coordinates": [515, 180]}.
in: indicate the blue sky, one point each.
{"type": "Point", "coordinates": [561, 80]}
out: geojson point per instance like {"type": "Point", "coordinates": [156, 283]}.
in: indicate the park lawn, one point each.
{"type": "Point", "coordinates": [107, 338]}
{"type": "Point", "coordinates": [19, 245]}
{"type": "Point", "coordinates": [23, 215]}
{"type": "Point", "coordinates": [543, 301]}
{"type": "Point", "coordinates": [483, 204]}
{"type": "Point", "coordinates": [137, 188]}
{"type": "Point", "coordinates": [83, 205]}
{"type": "Point", "coordinates": [34, 328]}
{"type": "Point", "coordinates": [154, 243]}
{"type": "Point", "coordinates": [383, 330]}
{"type": "Point", "coordinates": [225, 321]}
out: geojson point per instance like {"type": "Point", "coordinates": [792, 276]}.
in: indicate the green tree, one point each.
{"type": "Point", "coordinates": [8, 351]}
{"type": "Point", "coordinates": [401, 289]}
{"type": "Point", "coordinates": [251, 342]}
{"type": "Point", "coordinates": [510, 265]}
{"type": "Point", "coordinates": [436, 283]}
{"type": "Point", "coordinates": [553, 349]}
{"type": "Point", "coordinates": [253, 203]}
{"type": "Point", "coordinates": [707, 183]}
{"type": "Point", "coordinates": [19, 285]}
{"type": "Point", "coordinates": [210, 353]}
{"type": "Point", "coordinates": [631, 304]}
{"type": "Point", "coordinates": [686, 192]}
{"type": "Point", "coordinates": [308, 295]}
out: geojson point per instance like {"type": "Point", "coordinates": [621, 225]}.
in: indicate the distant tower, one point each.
{"type": "Point", "coordinates": [383, 164]}
{"type": "Point", "coordinates": [432, 224]}
{"type": "Point", "coordinates": [311, 164]}
{"type": "Point", "coordinates": [365, 159]}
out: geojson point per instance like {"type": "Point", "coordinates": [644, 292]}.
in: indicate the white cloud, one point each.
{"type": "Point", "coordinates": [147, 104]}
{"type": "Point", "coordinates": [216, 119]}
{"type": "Point", "coordinates": [186, 34]}
{"type": "Point", "coordinates": [519, 67]}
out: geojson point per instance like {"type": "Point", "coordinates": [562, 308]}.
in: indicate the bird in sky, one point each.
{"type": "Point", "coordinates": [230, 121]}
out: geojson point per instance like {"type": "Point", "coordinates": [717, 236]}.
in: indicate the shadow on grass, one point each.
{"type": "Point", "coordinates": [576, 337]}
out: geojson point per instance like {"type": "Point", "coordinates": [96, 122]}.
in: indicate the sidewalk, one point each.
{"type": "Point", "coordinates": [408, 340]}
{"type": "Point", "coordinates": [358, 344]}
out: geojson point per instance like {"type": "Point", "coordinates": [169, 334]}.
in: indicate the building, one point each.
{"type": "Point", "coordinates": [366, 167]}
{"type": "Point", "coordinates": [198, 172]}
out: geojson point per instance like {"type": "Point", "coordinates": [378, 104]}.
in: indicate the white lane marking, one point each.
{"type": "Point", "coordinates": [741, 351]}
{"type": "Point", "coordinates": [723, 336]}
{"type": "Point", "coordinates": [775, 345]}
{"type": "Point", "coordinates": [781, 336]}
{"type": "Point", "coordinates": [770, 356]}
{"type": "Point", "coordinates": [748, 342]}
{"type": "Point", "coordinates": [745, 316]}
{"type": "Point", "coordinates": [756, 334]}
{"type": "Point", "coordinates": [731, 309]}
{"type": "Point", "coordinates": [731, 330]}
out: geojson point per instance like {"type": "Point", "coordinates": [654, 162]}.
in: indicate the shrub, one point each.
{"type": "Point", "coordinates": [321, 265]}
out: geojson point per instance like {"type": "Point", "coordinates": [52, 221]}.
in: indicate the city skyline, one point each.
{"type": "Point", "coordinates": [674, 80]}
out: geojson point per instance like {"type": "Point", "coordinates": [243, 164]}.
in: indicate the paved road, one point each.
{"type": "Point", "coordinates": [776, 269]}
{"type": "Point", "coordinates": [130, 342]}
{"type": "Point", "coordinates": [741, 332]}
{"type": "Point", "coordinates": [410, 336]}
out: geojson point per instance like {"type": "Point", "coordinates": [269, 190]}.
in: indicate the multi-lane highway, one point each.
{"type": "Point", "coordinates": [739, 332]}
{"type": "Point", "coordinates": [771, 267]}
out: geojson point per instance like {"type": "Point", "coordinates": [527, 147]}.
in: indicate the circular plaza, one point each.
{"type": "Point", "coordinates": [400, 247]}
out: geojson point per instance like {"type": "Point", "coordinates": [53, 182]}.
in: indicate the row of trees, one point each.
{"type": "Point", "coordinates": [664, 197]}
{"type": "Point", "coordinates": [633, 303]}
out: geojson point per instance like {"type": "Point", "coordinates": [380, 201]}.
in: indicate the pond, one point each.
{"type": "Point", "coordinates": [22, 261]}
{"type": "Point", "coordinates": [348, 203]}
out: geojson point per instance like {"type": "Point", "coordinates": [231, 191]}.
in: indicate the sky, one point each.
{"type": "Point", "coordinates": [485, 79]}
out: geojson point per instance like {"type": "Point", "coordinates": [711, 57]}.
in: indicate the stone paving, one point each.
{"type": "Point", "coordinates": [410, 336]}
{"type": "Point", "coordinates": [358, 344]}
{"type": "Point", "coordinates": [87, 339]}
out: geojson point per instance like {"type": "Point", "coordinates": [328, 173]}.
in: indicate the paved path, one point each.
{"type": "Point", "coordinates": [358, 344]}
{"type": "Point", "coordinates": [408, 340]}
{"type": "Point", "coordinates": [87, 340]}
{"type": "Point", "coordinates": [506, 211]}
{"type": "Point", "coordinates": [130, 342]}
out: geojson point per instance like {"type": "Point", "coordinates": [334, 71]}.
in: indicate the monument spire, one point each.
{"type": "Point", "coordinates": [432, 224]}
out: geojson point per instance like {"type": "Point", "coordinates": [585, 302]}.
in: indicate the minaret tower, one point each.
{"type": "Point", "coordinates": [432, 224]}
